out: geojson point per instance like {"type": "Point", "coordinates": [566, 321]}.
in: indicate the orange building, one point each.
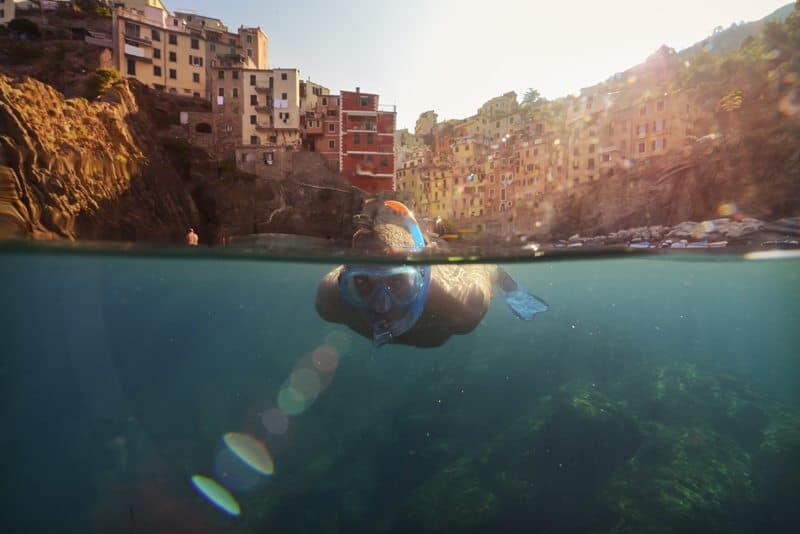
{"type": "Point", "coordinates": [366, 141]}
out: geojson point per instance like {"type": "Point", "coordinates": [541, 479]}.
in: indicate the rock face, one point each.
{"type": "Point", "coordinates": [113, 169]}
{"type": "Point", "coordinates": [78, 169]}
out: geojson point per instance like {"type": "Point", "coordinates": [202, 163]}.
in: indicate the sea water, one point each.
{"type": "Point", "coordinates": [183, 393]}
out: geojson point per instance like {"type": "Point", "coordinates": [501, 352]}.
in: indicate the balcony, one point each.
{"type": "Point", "coordinates": [262, 126]}
{"type": "Point", "coordinates": [263, 109]}
{"type": "Point", "coordinates": [263, 90]}
{"type": "Point", "coordinates": [137, 40]}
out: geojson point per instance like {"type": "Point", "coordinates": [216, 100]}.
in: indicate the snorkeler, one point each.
{"type": "Point", "coordinates": [413, 304]}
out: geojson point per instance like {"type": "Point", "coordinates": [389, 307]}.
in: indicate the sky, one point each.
{"type": "Point", "coordinates": [451, 56]}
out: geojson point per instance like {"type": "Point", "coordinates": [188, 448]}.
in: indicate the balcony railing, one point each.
{"type": "Point", "coordinates": [263, 90]}
{"type": "Point", "coordinates": [137, 40]}
{"type": "Point", "coordinates": [263, 108]}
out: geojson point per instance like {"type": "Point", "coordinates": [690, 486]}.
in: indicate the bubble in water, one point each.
{"type": "Point", "coordinates": [215, 493]}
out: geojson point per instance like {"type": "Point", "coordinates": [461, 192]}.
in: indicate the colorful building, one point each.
{"type": "Point", "coordinates": [7, 11]}
{"type": "Point", "coordinates": [367, 141]}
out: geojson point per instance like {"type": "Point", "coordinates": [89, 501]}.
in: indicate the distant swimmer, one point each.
{"type": "Point", "coordinates": [192, 238]}
{"type": "Point", "coordinates": [419, 305]}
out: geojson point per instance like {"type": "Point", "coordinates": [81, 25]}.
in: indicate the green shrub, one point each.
{"type": "Point", "coordinates": [100, 82]}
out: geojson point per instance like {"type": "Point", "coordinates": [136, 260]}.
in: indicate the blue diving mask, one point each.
{"type": "Point", "coordinates": [392, 297]}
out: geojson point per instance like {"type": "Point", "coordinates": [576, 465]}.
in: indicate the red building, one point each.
{"type": "Point", "coordinates": [366, 156]}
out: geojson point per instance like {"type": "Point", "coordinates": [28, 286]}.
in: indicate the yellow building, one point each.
{"type": "Point", "coordinates": [159, 50]}
{"type": "Point", "coordinates": [6, 11]}
{"type": "Point", "coordinates": [425, 123]}
{"type": "Point", "coordinates": [499, 106]}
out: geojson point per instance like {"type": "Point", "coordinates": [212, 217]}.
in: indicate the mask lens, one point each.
{"type": "Point", "coordinates": [403, 286]}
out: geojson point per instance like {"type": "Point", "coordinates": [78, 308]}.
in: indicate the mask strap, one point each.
{"type": "Point", "coordinates": [411, 222]}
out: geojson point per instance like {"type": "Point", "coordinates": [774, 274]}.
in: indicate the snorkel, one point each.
{"type": "Point", "coordinates": [379, 300]}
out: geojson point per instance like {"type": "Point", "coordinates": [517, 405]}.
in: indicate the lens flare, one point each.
{"type": "Point", "coordinates": [325, 358]}
{"type": "Point", "coordinates": [306, 382]}
{"type": "Point", "coordinates": [340, 341]}
{"type": "Point", "coordinates": [275, 421]}
{"type": "Point", "coordinates": [233, 473]}
{"type": "Point", "coordinates": [219, 496]}
{"type": "Point", "coordinates": [290, 401]}
{"type": "Point", "coordinates": [250, 451]}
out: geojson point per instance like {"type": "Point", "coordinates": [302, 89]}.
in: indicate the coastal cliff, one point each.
{"type": "Point", "coordinates": [111, 169]}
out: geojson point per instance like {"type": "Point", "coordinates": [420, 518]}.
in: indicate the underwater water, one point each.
{"type": "Point", "coordinates": [205, 394]}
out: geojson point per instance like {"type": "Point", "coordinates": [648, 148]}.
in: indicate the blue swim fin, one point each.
{"type": "Point", "coordinates": [524, 305]}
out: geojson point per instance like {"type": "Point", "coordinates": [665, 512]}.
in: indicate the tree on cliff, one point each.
{"type": "Point", "coordinates": [533, 99]}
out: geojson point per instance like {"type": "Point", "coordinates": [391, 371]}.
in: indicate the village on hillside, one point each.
{"type": "Point", "coordinates": [506, 170]}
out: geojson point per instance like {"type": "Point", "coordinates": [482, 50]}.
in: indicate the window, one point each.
{"type": "Point", "coordinates": [332, 144]}
{"type": "Point", "coordinates": [363, 101]}
{"type": "Point", "coordinates": [641, 148]}
{"type": "Point", "coordinates": [252, 79]}
{"type": "Point", "coordinates": [212, 47]}
{"type": "Point", "coordinates": [253, 119]}
{"type": "Point", "coordinates": [222, 75]}
{"type": "Point", "coordinates": [370, 138]}
{"type": "Point", "coordinates": [249, 52]}
{"type": "Point", "coordinates": [132, 67]}
{"type": "Point", "coordinates": [249, 39]}
{"type": "Point", "coordinates": [173, 39]}
{"type": "Point", "coordinates": [332, 127]}
{"type": "Point", "coordinates": [357, 139]}
{"type": "Point", "coordinates": [642, 129]}
{"type": "Point", "coordinates": [173, 74]}
{"type": "Point", "coordinates": [660, 105]}
{"type": "Point", "coordinates": [643, 109]}
{"type": "Point", "coordinates": [253, 100]}
{"type": "Point", "coordinates": [235, 93]}
{"type": "Point", "coordinates": [156, 70]}
{"type": "Point", "coordinates": [606, 157]}
{"type": "Point", "coordinates": [156, 53]}
{"type": "Point", "coordinates": [173, 57]}
{"type": "Point", "coordinates": [658, 126]}
{"type": "Point", "coordinates": [221, 91]}
{"type": "Point", "coordinates": [195, 44]}
{"type": "Point", "coordinates": [284, 76]}
{"type": "Point", "coordinates": [590, 164]}
{"type": "Point", "coordinates": [591, 149]}
{"type": "Point", "coordinates": [284, 96]}
{"type": "Point", "coordinates": [324, 101]}
{"type": "Point", "coordinates": [155, 35]}
{"type": "Point", "coordinates": [254, 140]}
{"type": "Point", "coordinates": [235, 74]}
{"type": "Point", "coordinates": [659, 144]}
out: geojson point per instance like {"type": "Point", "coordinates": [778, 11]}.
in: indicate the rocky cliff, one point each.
{"type": "Point", "coordinates": [70, 168]}
{"type": "Point", "coordinates": [111, 169]}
